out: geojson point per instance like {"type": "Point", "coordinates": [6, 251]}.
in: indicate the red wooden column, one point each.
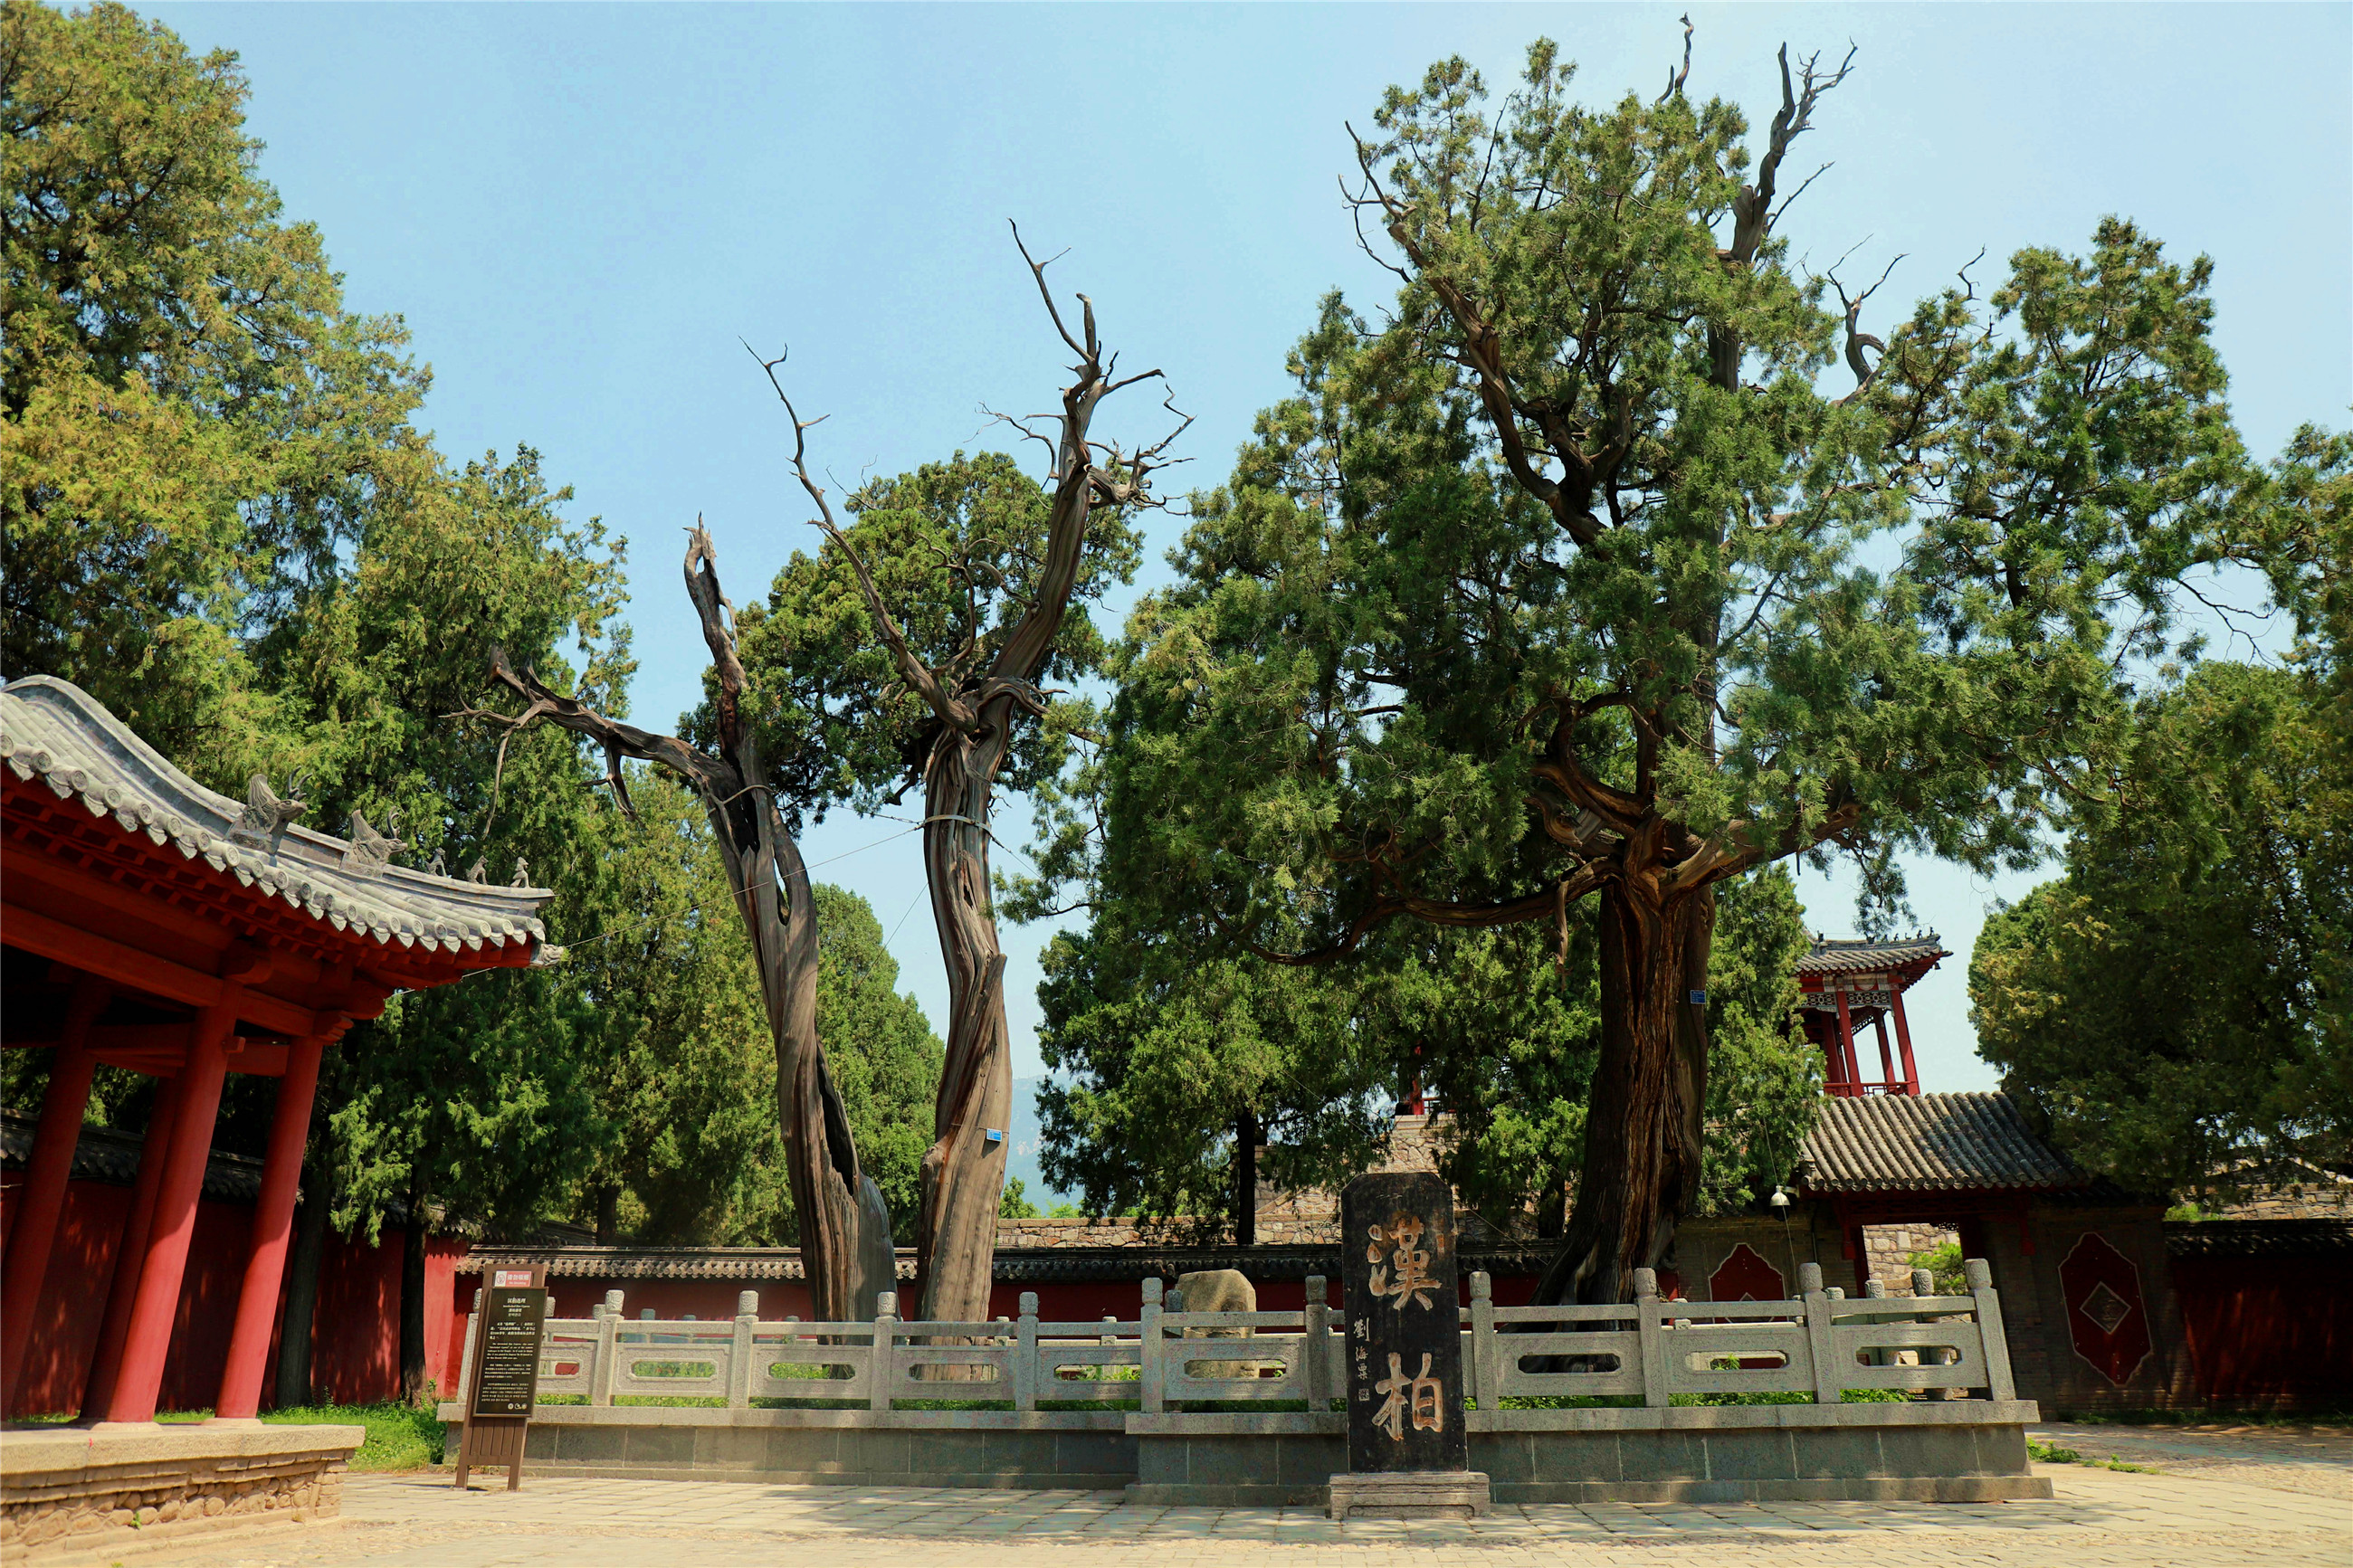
{"type": "Point", "coordinates": [131, 1251]}
{"type": "Point", "coordinates": [1886, 1063]}
{"type": "Point", "coordinates": [1903, 1043]}
{"type": "Point", "coordinates": [1846, 1046]}
{"type": "Point", "coordinates": [1834, 1071]}
{"type": "Point", "coordinates": [43, 1195]}
{"type": "Point", "coordinates": [273, 1215]}
{"type": "Point", "coordinates": [148, 1339]}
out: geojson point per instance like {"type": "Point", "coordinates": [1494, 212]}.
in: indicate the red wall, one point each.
{"type": "Point", "coordinates": [2270, 1331]}
{"type": "Point", "coordinates": [356, 1333]}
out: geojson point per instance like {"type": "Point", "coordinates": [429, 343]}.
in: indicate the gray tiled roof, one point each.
{"type": "Point", "coordinates": [1929, 1142]}
{"type": "Point", "coordinates": [1855, 955]}
{"type": "Point", "coordinates": [657, 1262]}
{"type": "Point", "coordinates": [105, 1154]}
{"type": "Point", "coordinates": [2258, 1237]}
{"type": "Point", "coordinates": [1014, 1266]}
{"type": "Point", "coordinates": [54, 730]}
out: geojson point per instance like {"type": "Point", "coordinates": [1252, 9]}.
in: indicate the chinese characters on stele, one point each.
{"type": "Point", "coordinates": [1402, 1277]}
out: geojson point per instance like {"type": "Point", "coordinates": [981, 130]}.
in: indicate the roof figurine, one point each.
{"type": "Point", "coordinates": [369, 851]}
{"type": "Point", "coordinates": [265, 816]}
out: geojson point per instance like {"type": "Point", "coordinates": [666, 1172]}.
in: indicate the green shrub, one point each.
{"type": "Point", "coordinates": [399, 1436]}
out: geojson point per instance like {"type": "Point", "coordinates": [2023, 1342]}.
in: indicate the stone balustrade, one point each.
{"type": "Point", "coordinates": [1638, 1401]}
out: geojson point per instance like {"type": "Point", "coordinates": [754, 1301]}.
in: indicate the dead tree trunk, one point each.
{"type": "Point", "coordinates": [962, 1173]}
{"type": "Point", "coordinates": [845, 1227]}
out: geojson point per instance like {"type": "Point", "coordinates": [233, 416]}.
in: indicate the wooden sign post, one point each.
{"type": "Point", "coordinates": [505, 1381]}
{"type": "Point", "coordinates": [1409, 1454]}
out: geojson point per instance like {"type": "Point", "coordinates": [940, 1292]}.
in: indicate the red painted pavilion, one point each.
{"type": "Point", "coordinates": [1844, 984]}
{"type": "Point", "coordinates": [151, 924]}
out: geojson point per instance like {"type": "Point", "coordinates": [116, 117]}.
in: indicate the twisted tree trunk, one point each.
{"type": "Point", "coordinates": [845, 1240]}
{"type": "Point", "coordinates": [964, 1170]}
{"type": "Point", "coordinates": [1643, 1131]}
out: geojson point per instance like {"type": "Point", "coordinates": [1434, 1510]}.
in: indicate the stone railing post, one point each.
{"type": "Point", "coordinates": [1316, 1364]}
{"type": "Point", "coordinates": [1486, 1363]}
{"type": "Point", "coordinates": [1872, 1289]}
{"type": "Point", "coordinates": [1148, 1351]}
{"type": "Point", "coordinates": [1025, 1355]}
{"type": "Point", "coordinates": [609, 1350]}
{"type": "Point", "coordinates": [740, 1371]}
{"type": "Point", "coordinates": [1657, 1387]}
{"type": "Point", "coordinates": [1990, 1335]}
{"type": "Point", "coordinates": [882, 1358]}
{"type": "Point", "coordinates": [1821, 1350]}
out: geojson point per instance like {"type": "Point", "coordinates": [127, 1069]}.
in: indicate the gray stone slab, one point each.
{"type": "Point", "coordinates": [659, 1446]}
{"type": "Point", "coordinates": [1641, 1457]}
{"type": "Point", "coordinates": [877, 1450]}
{"type": "Point", "coordinates": [1408, 1494]}
{"type": "Point", "coordinates": [1838, 1454]}
{"type": "Point", "coordinates": [1510, 1455]}
{"type": "Point", "coordinates": [1308, 1461]}
{"type": "Point", "coordinates": [582, 1445]}
{"type": "Point", "coordinates": [1928, 1451]}
{"type": "Point", "coordinates": [1753, 1455]}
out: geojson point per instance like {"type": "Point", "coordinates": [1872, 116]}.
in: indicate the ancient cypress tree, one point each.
{"type": "Point", "coordinates": [1571, 578]}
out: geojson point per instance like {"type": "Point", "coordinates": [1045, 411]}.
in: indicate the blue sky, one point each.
{"type": "Point", "coordinates": [580, 210]}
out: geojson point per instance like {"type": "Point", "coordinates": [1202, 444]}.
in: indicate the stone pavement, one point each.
{"type": "Point", "coordinates": [2099, 1517]}
{"type": "Point", "coordinates": [2314, 1459]}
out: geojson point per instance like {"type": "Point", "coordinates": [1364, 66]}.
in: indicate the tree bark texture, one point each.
{"type": "Point", "coordinates": [293, 1384]}
{"type": "Point", "coordinates": [412, 1289]}
{"type": "Point", "coordinates": [962, 1172]}
{"type": "Point", "coordinates": [845, 1227]}
{"type": "Point", "coordinates": [1247, 1135]}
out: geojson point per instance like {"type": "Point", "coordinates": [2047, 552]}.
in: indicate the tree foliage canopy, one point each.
{"type": "Point", "coordinates": [2174, 1004]}
{"type": "Point", "coordinates": [955, 550]}
{"type": "Point", "coordinates": [1571, 574]}
{"type": "Point", "coordinates": [195, 422]}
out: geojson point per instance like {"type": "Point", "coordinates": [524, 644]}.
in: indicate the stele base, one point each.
{"type": "Point", "coordinates": [1411, 1494]}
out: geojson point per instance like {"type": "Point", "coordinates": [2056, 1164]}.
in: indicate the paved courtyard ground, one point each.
{"type": "Point", "coordinates": [2271, 1496]}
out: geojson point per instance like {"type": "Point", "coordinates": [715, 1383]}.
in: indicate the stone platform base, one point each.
{"type": "Point", "coordinates": [1972, 1451]}
{"type": "Point", "coordinates": [823, 1447]}
{"type": "Point", "coordinates": [1409, 1494]}
{"type": "Point", "coordinates": [71, 1490]}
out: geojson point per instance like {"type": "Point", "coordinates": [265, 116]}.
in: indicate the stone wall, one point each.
{"type": "Point", "coordinates": [1890, 1248]}
{"type": "Point", "coordinates": [74, 1488]}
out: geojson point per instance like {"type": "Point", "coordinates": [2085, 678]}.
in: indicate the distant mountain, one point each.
{"type": "Point", "coordinates": [1026, 1139]}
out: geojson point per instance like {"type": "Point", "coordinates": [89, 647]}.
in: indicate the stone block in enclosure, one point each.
{"type": "Point", "coordinates": [1217, 1290]}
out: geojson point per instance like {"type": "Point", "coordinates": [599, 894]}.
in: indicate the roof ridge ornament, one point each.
{"type": "Point", "coordinates": [263, 821]}
{"type": "Point", "coordinates": [369, 852]}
